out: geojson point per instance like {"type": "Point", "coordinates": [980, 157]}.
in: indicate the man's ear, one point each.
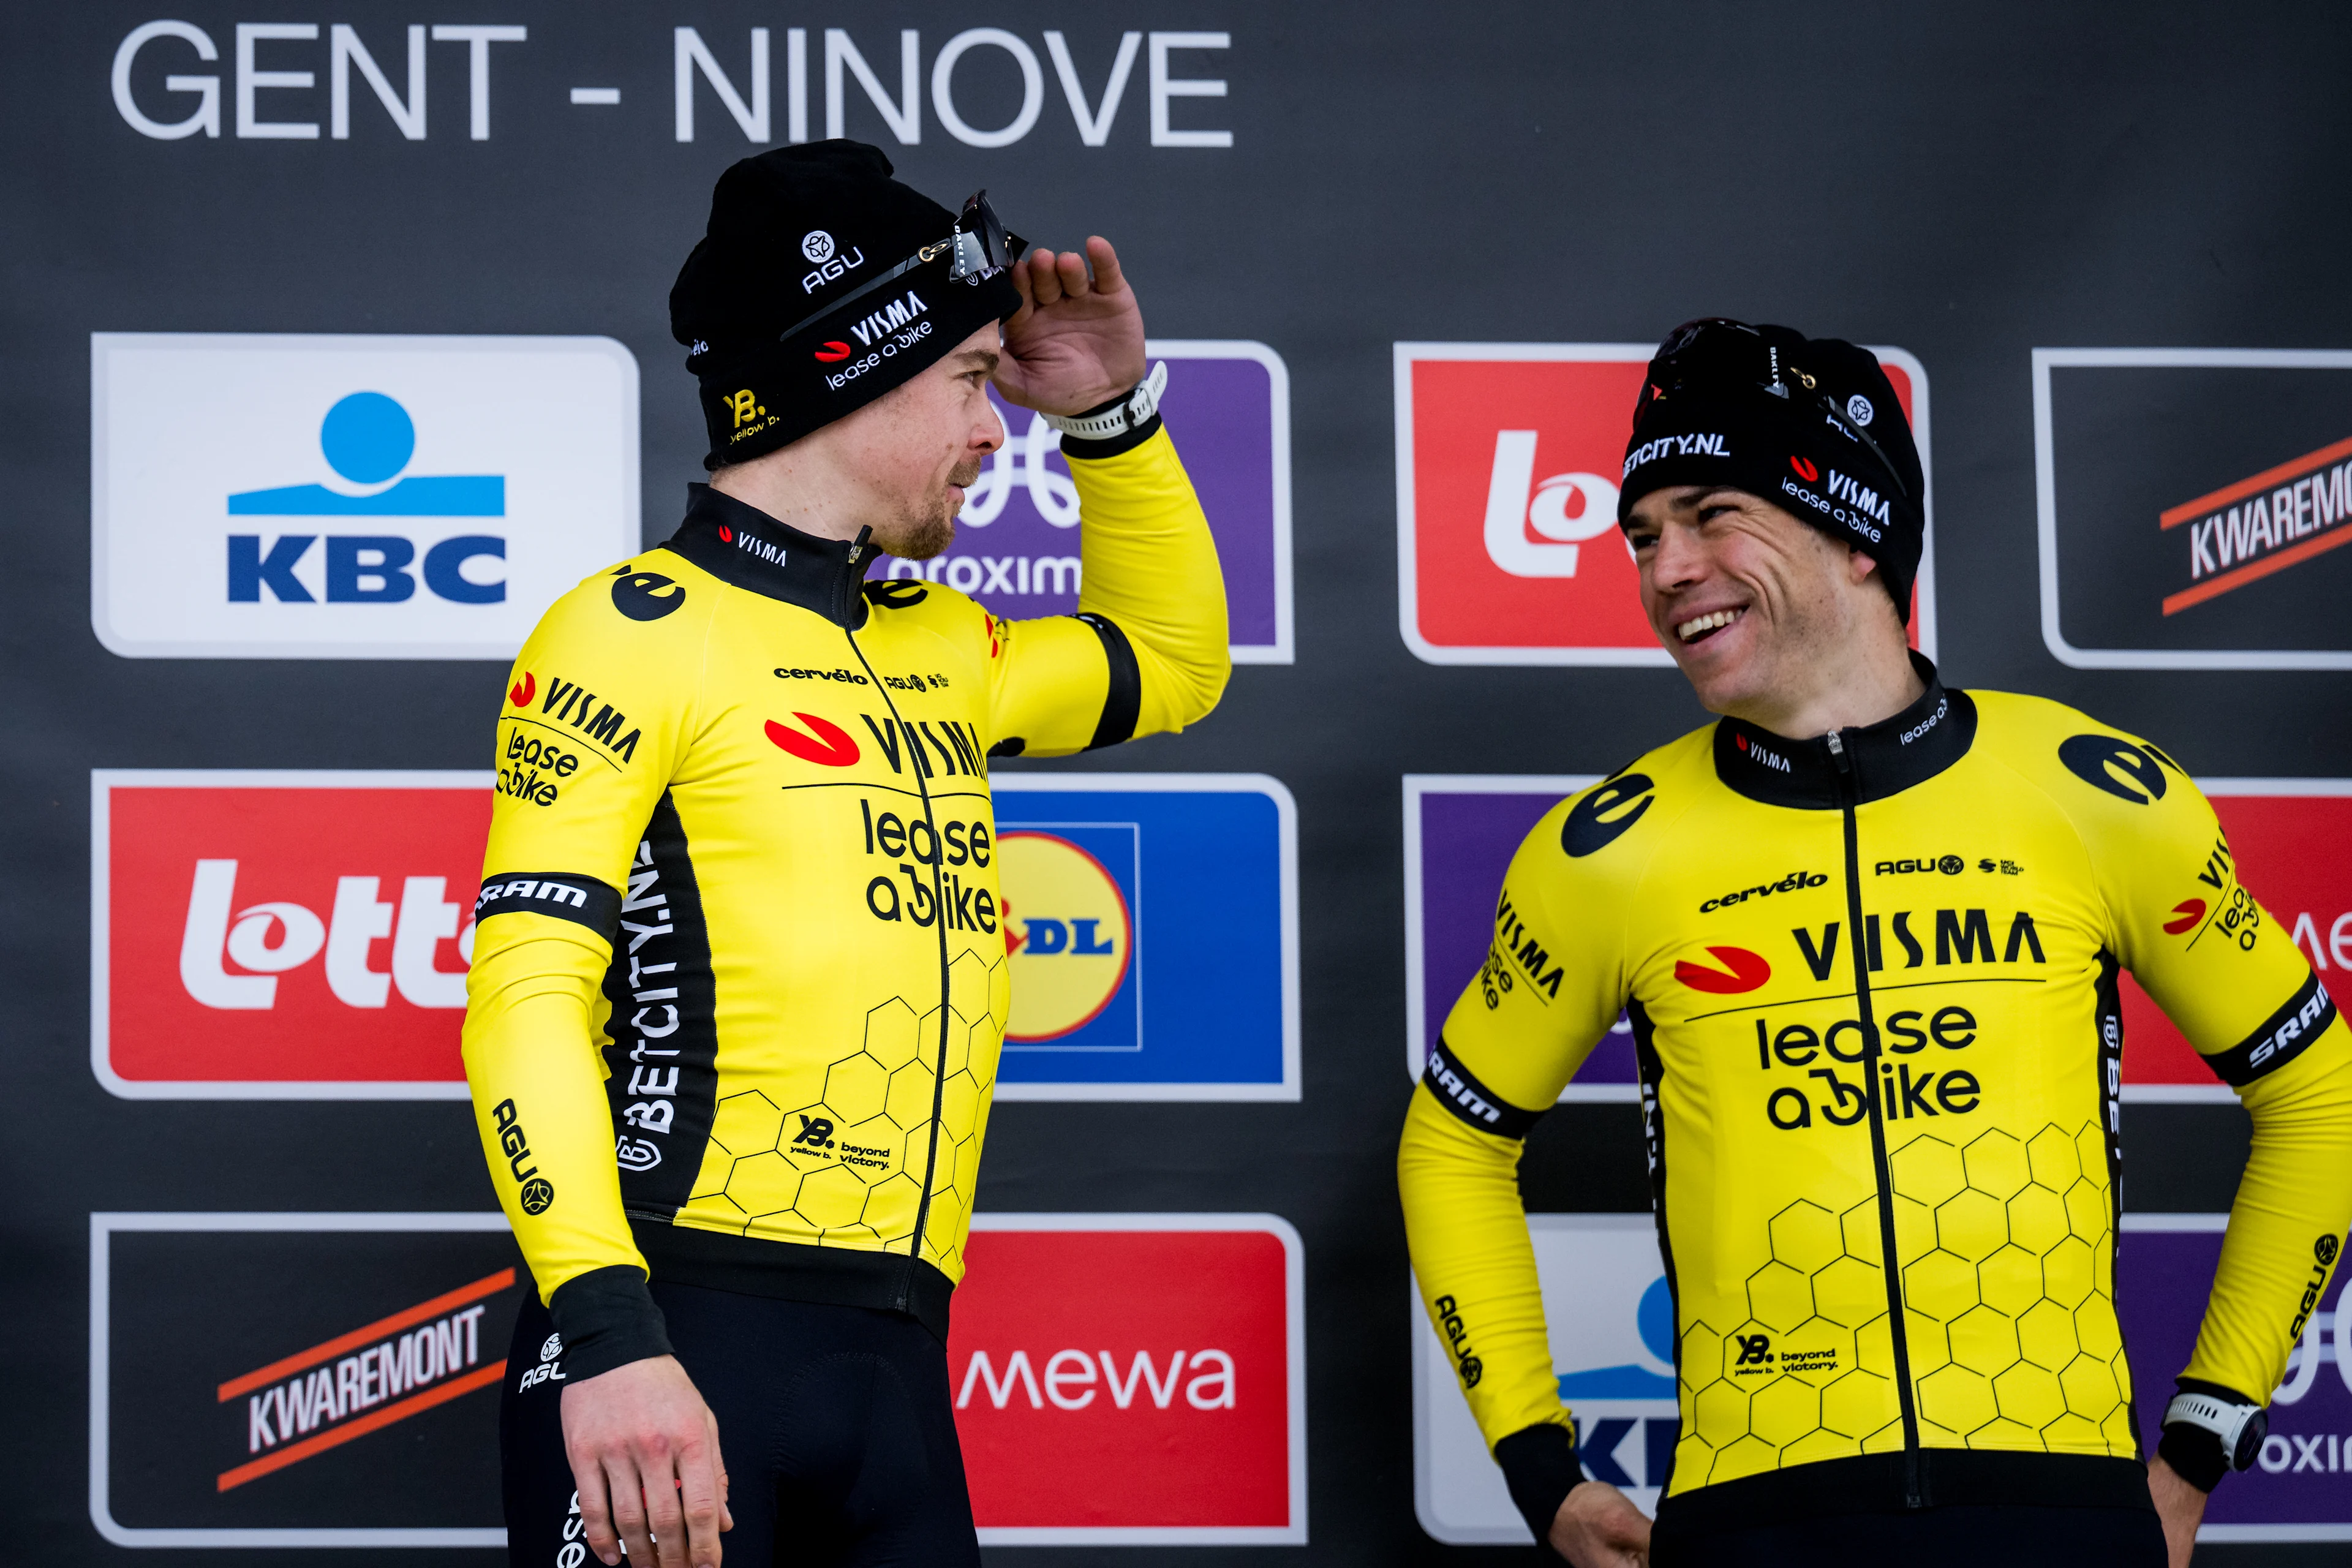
{"type": "Point", "coordinates": [1859, 565]}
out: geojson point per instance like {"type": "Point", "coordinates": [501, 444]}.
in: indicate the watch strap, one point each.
{"type": "Point", "coordinates": [2205, 1436]}
{"type": "Point", "coordinates": [1129, 411]}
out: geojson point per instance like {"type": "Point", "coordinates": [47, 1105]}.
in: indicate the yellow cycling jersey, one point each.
{"type": "Point", "coordinates": [740, 976]}
{"type": "Point", "coordinates": [1872, 982]}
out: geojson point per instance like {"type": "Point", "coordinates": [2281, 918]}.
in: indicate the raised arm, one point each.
{"type": "Point", "coordinates": [1147, 651]}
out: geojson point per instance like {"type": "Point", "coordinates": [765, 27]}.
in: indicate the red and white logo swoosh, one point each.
{"type": "Point", "coordinates": [1742, 971]}
{"type": "Point", "coordinates": [830, 747]}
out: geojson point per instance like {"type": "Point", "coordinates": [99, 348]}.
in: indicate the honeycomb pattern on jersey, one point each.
{"type": "Point", "coordinates": [784, 1174]}
{"type": "Point", "coordinates": [2009, 1305]}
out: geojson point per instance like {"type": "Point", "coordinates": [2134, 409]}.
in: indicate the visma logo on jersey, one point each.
{"type": "Point", "coordinates": [1150, 921]}
{"type": "Point", "coordinates": [1611, 1320]}
{"type": "Point", "coordinates": [282, 496]}
{"type": "Point", "coordinates": [1508, 461]}
{"type": "Point", "coordinates": [1227, 407]}
{"type": "Point", "coordinates": [275, 935]}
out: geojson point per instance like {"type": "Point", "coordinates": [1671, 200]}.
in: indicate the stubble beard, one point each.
{"type": "Point", "coordinates": [925, 531]}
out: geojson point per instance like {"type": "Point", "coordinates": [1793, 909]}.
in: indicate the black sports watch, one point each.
{"type": "Point", "coordinates": [2210, 1432]}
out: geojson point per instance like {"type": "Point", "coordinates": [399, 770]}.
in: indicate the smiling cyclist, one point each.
{"type": "Point", "coordinates": [741, 976]}
{"type": "Point", "coordinates": [1880, 1096]}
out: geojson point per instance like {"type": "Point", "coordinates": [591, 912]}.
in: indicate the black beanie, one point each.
{"type": "Point", "coordinates": [1812, 425]}
{"type": "Point", "coordinates": [809, 297]}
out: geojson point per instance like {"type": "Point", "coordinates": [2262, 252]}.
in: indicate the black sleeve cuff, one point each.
{"type": "Point", "coordinates": [2195, 1453]}
{"type": "Point", "coordinates": [1540, 1466]}
{"type": "Point", "coordinates": [608, 1319]}
{"type": "Point", "coordinates": [1078, 446]}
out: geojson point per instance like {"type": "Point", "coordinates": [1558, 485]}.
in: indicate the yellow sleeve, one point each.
{"type": "Point", "coordinates": [2234, 981]}
{"type": "Point", "coordinates": [1552, 985]}
{"type": "Point", "coordinates": [595, 717]}
{"type": "Point", "coordinates": [1147, 650]}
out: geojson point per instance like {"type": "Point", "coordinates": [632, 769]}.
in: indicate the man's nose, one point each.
{"type": "Point", "coordinates": [1676, 561]}
{"type": "Point", "coordinates": [990, 433]}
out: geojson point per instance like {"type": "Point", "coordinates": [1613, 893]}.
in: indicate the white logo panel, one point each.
{"type": "Point", "coordinates": [283, 496]}
{"type": "Point", "coordinates": [1610, 1320]}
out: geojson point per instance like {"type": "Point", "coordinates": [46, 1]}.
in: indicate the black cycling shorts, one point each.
{"type": "Point", "coordinates": [835, 1423]}
{"type": "Point", "coordinates": [1949, 1537]}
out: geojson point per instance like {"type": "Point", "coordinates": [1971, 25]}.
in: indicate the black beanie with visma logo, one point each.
{"type": "Point", "coordinates": [1812, 425]}
{"type": "Point", "coordinates": [810, 294]}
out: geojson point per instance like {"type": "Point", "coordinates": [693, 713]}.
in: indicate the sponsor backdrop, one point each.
{"type": "Point", "coordinates": [338, 347]}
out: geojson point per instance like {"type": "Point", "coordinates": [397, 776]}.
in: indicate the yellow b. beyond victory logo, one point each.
{"type": "Point", "coordinates": [1068, 930]}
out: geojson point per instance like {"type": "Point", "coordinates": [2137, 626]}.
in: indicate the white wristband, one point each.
{"type": "Point", "coordinates": [1132, 413]}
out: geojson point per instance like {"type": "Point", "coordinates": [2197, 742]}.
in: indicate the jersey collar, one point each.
{"type": "Point", "coordinates": [1888, 757]}
{"type": "Point", "coordinates": [740, 544]}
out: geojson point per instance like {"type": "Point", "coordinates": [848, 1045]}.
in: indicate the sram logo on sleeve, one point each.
{"type": "Point", "coordinates": [1133, 1380]}
{"type": "Point", "coordinates": [274, 935]}
{"type": "Point", "coordinates": [1508, 460]}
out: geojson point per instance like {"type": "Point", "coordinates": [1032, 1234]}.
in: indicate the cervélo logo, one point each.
{"type": "Point", "coordinates": [282, 935]}
{"type": "Point", "coordinates": [289, 1380]}
{"type": "Point", "coordinates": [1509, 457]}
{"type": "Point", "coordinates": [1133, 1380]}
{"type": "Point", "coordinates": [2192, 501]}
{"type": "Point", "coordinates": [284, 495]}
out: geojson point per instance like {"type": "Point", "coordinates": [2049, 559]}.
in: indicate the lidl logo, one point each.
{"type": "Point", "coordinates": [1227, 405]}
{"type": "Point", "coordinates": [1150, 922]}
{"type": "Point", "coordinates": [287, 495]}
{"type": "Point", "coordinates": [1508, 548]}
{"type": "Point", "coordinates": [1068, 931]}
{"type": "Point", "coordinates": [1610, 1315]}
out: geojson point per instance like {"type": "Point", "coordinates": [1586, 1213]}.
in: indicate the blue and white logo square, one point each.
{"type": "Point", "coordinates": [1612, 1323]}
{"type": "Point", "coordinates": [1151, 921]}
{"type": "Point", "coordinates": [280, 495]}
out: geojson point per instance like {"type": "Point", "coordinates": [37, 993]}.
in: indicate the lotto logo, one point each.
{"type": "Point", "coordinates": [1508, 546]}
{"type": "Point", "coordinates": [275, 935]}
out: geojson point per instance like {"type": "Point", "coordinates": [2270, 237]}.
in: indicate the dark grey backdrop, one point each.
{"type": "Point", "coordinates": [1969, 184]}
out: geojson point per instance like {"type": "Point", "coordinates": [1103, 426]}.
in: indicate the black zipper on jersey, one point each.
{"type": "Point", "coordinates": [1873, 1102]}
{"type": "Point", "coordinates": [939, 921]}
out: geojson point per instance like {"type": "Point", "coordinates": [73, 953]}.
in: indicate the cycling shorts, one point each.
{"type": "Point", "coordinates": [1957, 1537]}
{"type": "Point", "coordinates": [835, 1423]}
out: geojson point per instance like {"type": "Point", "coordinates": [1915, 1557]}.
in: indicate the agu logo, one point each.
{"type": "Point", "coordinates": [1068, 929]}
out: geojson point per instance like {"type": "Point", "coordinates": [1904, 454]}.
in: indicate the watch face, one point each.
{"type": "Point", "coordinates": [2250, 1441]}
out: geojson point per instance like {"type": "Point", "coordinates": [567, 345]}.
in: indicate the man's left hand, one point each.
{"type": "Point", "coordinates": [2179, 1505]}
{"type": "Point", "coordinates": [1076, 341]}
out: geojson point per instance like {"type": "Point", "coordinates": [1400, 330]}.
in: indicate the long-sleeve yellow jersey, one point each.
{"type": "Point", "coordinates": [1872, 982]}
{"type": "Point", "coordinates": [741, 975]}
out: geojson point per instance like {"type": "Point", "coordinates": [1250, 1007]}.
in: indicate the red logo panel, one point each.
{"type": "Point", "coordinates": [1507, 462]}
{"type": "Point", "coordinates": [1132, 1379]}
{"type": "Point", "coordinates": [2294, 854]}
{"type": "Point", "coordinates": [277, 933]}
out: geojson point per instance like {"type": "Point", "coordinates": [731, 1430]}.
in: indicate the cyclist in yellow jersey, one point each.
{"type": "Point", "coordinates": [736, 998]}
{"type": "Point", "coordinates": [1867, 929]}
